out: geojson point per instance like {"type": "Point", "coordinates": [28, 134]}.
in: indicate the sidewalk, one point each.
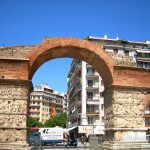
{"type": "Point", "coordinates": [83, 145]}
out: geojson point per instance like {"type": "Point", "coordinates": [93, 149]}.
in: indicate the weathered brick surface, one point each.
{"type": "Point", "coordinates": [51, 48]}
{"type": "Point", "coordinates": [11, 69]}
{"type": "Point", "coordinates": [72, 47]}
{"type": "Point", "coordinates": [131, 76]}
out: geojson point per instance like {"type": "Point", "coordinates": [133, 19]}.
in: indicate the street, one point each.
{"type": "Point", "coordinates": [61, 146]}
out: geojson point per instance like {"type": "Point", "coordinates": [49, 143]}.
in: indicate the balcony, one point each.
{"type": "Point", "coordinates": [34, 105]}
{"type": "Point", "coordinates": [91, 76]}
{"type": "Point", "coordinates": [93, 102]}
{"type": "Point", "coordinates": [93, 98]}
{"type": "Point", "coordinates": [36, 117]}
{"type": "Point", "coordinates": [34, 110]}
{"type": "Point", "coordinates": [147, 114]}
{"type": "Point", "coordinates": [92, 110]}
{"type": "Point", "coordinates": [90, 87]}
{"type": "Point", "coordinates": [147, 125]}
{"type": "Point", "coordinates": [35, 100]}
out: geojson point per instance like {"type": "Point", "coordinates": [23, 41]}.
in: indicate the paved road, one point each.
{"type": "Point", "coordinates": [60, 147]}
{"type": "Point", "coordinates": [68, 148]}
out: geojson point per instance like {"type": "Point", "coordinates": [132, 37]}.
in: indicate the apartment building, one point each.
{"type": "Point", "coordinates": [45, 103]}
{"type": "Point", "coordinates": [85, 104]}
{"type": "Point", "coordinates": [137, 52]}
{"type": "Point", "coordinates": [85, 86]}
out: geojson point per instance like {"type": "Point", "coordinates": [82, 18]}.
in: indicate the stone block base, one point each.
{"type": "Point", "coordinates": [126, 146]}
{"type": "Point", "coordinates": [10, 146]}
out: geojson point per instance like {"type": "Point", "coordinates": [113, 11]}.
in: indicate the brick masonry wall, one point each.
{"type": "Point", "coordinates": [14, 69]}
{"type": "Point", "coordinates": [131, 76]}
{"type": "Point", "coordinates": [50, 48]}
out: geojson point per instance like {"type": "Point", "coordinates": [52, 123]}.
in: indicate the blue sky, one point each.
{"type": "Point", "coordinates": [25, 22]}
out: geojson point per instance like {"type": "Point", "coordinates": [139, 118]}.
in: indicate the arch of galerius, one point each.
{"type": "Point", "coordinates": [126, 87]}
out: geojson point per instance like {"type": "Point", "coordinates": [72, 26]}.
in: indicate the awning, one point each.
{"type": "Point", "coordinates": [72, 128]}
{"type": "Point", "coordinates": [143, 51]}
{"type": "Point", "coordinates": [142, 60]}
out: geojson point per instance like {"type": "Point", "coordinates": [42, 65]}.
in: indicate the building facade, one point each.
{"type": "Point", "coordinates": [85, 103]}
{"type": "Point", "coordinates": [85, 86]}
{"type": "Point", "coordinates": [45, 103]}
{"type": "Point", "coordinates": [137, 52]}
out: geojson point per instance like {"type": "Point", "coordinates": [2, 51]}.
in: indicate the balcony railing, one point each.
{"type": "Point", "coordinates": [35, 105]}
{"type": "Point", "coordinates": [90, 75]}
{"type": "Point", "coordinates": [92, 86]}
{"type": "Point", "coordinates": [93, 98]}
{"type": "Point", "coordinates": [91, 111]}
{"type": "Point", "coordinates": [34, 110]}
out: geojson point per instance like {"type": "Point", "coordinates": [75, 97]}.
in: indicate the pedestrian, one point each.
{"type": "Point", "coordinates": [83, 139]}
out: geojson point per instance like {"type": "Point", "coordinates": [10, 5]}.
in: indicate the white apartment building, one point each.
{"type": "Point", "coordinates": [45, 102]}
{"type": "Point", "coordinates": [85, 106]}
{"type": "Point", "coordinates": [85, 86]}
{"type": "Point", "coordinates": [137, 52]}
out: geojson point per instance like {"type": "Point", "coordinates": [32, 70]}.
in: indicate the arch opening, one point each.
{"type": "Point", "coordinates": [73, 48]}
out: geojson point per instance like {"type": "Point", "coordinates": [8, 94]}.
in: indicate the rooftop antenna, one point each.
{"type": "Point", "coordinates": [105, 36]}
{"type": "Point", "coordinates": [117, 38]}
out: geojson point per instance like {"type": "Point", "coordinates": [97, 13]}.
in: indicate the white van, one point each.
{"type": "Point", "coordinates": [51, 135]}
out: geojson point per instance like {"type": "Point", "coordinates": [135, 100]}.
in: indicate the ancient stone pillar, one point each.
{"type": "Point", "coordinates": [14, 100]}
{"type": "Point", "coordinates": [124, 118]}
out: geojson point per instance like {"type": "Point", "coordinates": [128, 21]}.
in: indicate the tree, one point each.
{"type": "Point", "coordinates": [60, 120]}
{"type": "Point", "coordinates": [34, 122]}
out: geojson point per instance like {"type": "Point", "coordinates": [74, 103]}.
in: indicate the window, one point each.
{"type": "Point", "coordinates": [147, 121]}
{"type": "Point", "coordinates": [147, 65]}
{"type": "Point", "coordinates": [89, 95]}
{"type": "Point", "coordinates": [102, 119]}
{"type": "Point", "coordinates": [102, 106]}
{"type": "Point", "coordinates": [90, 82]}
{"type": "Point", "coordinates": [126, 53]}
{"type": "Point", "coordinates": [102, 84]}
{"type": "Point", "coordinates": [115, 51]}
{"type": "Point", "coordinates": [90, 120]}
{"type": "Point", "coordinates": [101, 94]}
{"type": "Point", "coordinates": [92, 108]}
{"type": "Point", "coordinates": [90, 71]}
{"type": "Point", "coordinates": [79, 73]}
{"type": "Point", "coordinates": [139, 64]}
{"type": "Point", "coordinates": [149, 109]}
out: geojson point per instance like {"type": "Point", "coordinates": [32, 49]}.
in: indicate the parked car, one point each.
{"type": "Point", "coordinates": [35, 138]}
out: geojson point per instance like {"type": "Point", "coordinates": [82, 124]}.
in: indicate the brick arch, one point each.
{"type": "Point", "coordinates": [93, 54]}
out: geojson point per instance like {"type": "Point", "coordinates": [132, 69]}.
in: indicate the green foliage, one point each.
{"type": "Point", "coordinates": [34, 122]}
{"type": "Point", "coordinates": [60, 120]}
